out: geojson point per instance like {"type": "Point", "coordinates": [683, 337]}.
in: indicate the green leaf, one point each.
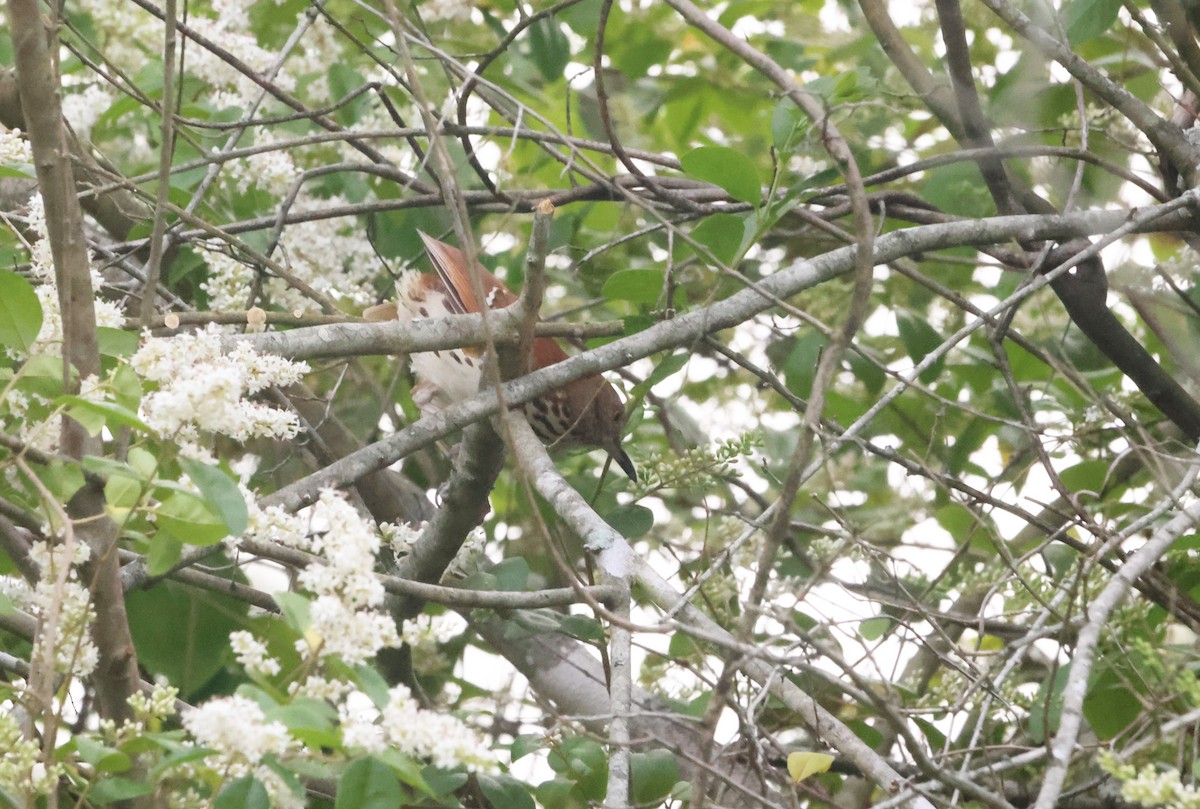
{"type": "Point", "coordinates": [549, 48]}
{"type": "Point", "coordinates": [724, 235]}
{"type": "Point", "coordinates": [95, 416]}
{"type": "Point", "coordinates": [667, 366]}
{"type": "Point", "coordinates": [103, 758]}
{"type": "Point", "coordinates": [873, 628]}
{"type": "Point", "coordinates": [111, 790]}
{"type": "Point", "coordinates": [789, 125]}
{"type": "Point", "coordinates": [919, 340]}
{"type": "Point", "coordinates": [637, 286]}
{"type": "Point", "coordinates": [183, 633]}
{"type": "Point", "coordinates": [294, 609]}
{"type": "Point", "coordinates": [653, 775]}
{"type": "Point", "coordinates": [505, 792]}
{"type": "Point", "coordinates": [581, 627]}
{"type": "Point", "coordinates": [525, 744]}
{"type": "Point", "coordinates": [1087, 476]}
{"type": "Point", "coordinates": [556, 793]}
{"type": "Point", "coordinates": [1087, 19]}
{"type": "Point", "coordinates": [584, 762]}
{"type": "Point", "coordinates": [1109, 705]}
{"type": "Point", "coordinates": [246, 792]}
{"type": "Point", "coordinates": [368, 784]}
{"type": "Point", "coordinates": [220, 492]}
{"type": "Point", "coordinates": [935, 737]}
{"type": "Point", "coordinates": [116, 342]}
{"type": "Point", "coordinates": [727, 168]}
{"type": "Point", "coordinates": [1046, 710]}
{"type": "Point", "coordinates": [511, 574]}
{"type": "Point", "coordinates": [20, 312]}
{"type": "Point", "coordinates": [165, 551]}
{"type": "Point", "coordinates": [630, 521]}
{"type": "Point", "coordinates": [187, 517]}
{"type": "Point", "coordinates": [122, 492]}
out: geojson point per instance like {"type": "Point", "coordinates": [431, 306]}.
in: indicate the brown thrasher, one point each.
{"type": "Point", "coordinates": [583, 413]}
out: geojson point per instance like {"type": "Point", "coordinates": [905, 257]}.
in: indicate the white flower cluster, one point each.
{"type": "Point", "coordinates": [238, 732]}
{"type": "Point", "coordinates": [252, 653]}
{"type": "Point", "coordinates": [69, 634]}
{"type": "Point", "coordinates": [158, 705]}
{"type": "Point", "coordinates": [202, 390]}
{"type": "Point", "coordinates": [344, 617]}
{"type": "Point", "coordinates": [14, 149]}
{"type": "Point", "coordinates": [442, 738]}
{"type": "Point", "coordinates": [42, 266]}
{"type": "Point", "coordinates": [330, 255]}
{"type": "Point", "coordinates": [1154, 787]}
{"type": "Point", "coordinates": [84, 107]}
{"type": "Point", "coordinates": [401, 537]}
{"type": "Point", "coordinates": [21, 769]}
{"type": "Point", "coordinates": [272, 172]}
{"type": "Point", "coordinates": [237, 728]}
{"type": "Point", "coordinates": [343, 614]}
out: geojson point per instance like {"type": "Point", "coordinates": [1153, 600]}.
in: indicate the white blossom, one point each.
{"type": "Point", "coordinates": [252, 653]}
{"type": "Point", "coordinates": [14, 149]}
{"type": "Point", "coordinates": [442, 738]}
{"type": "Point", "coordinates": [236, 728]}
{"type": "Point", "coordinates": [200, 389]}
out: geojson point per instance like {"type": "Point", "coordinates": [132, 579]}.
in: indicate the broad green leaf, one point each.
{"type": "Point", "coordinates": [935, 737]}
{"type": "Point", "coordinates": [95, 416]}
{"type": "Point", "coordinates": [1087, 19]}
{"type": "Point", "coordinates": [294, 609]}
{"type": "Point", "coordinates": [789, 125]}
{"type": "Point", "coordinates": [122, 492]}
{"type": "Point", "coordinates": [165, 552]}
{"type": "Point", "coordinates": [919, 339]}
{"type": "Point", "coordinates": [873, 628]}
{"type": "Point", "coordinates": [511, 574]}
{"type": "Point", "coordinates": [15, 172]}
{"type": "Point", "coordinates": [1110, 706]}
{"type": "Point", "coordinates": [20, 312]}
{"type": "Point", "coordinates": [368, 784]}
{"type": "Point", "coordinates": [584, 762]}
{"type": "Point", "coordinates": [802, 765]}
{"type": "Point", "coordinates": [682, 645]}
{"type": "Point", "coordinates": [581, 627]}
{"type": "Point", "coordinates": [187, 518]}
{"type": "Point", "coordinates": [556, 793]}
{"type": "Point", "coordinates": [103, 758]}
{"type": "Point", "coordinates": [724, 235]}
{"type": "Point", "coordinates": [221, 493]}
{"type": "Point", "coordinates": [116, 342]}
{"type": "Point", "coordinates": [549, 48]}
{"type": "Point", "coordinates": [504, 791]}
{"type": "Point", "coordinates": [630, 521]}
{"type": "Point", "coordinates": [183, 633]}
{"type": "Point", "coordinates": [728, 168]}
{"type": "Point", "coordinates": [110, 790]}
{"type": "Point", "coordinates": [1087, 476]}
{"type": "Point", "coordinates": [637, 286]}
{"type": "Point", "coordinates": [442, 782]}
{"type": "Point", "coordinates": [246, 792]}
{"type": "Point", "coordinates": [653, 775]}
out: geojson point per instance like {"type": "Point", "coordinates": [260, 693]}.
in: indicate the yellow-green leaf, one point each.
{"type": "Point", "coordinates": [802, 765]}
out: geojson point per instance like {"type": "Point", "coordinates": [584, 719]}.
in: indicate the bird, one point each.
{"type": "Point", "coordinates": [585, 412]}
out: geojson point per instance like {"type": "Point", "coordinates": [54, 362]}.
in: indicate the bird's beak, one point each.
{"type": "Point", "coordinates": [622, 459]}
